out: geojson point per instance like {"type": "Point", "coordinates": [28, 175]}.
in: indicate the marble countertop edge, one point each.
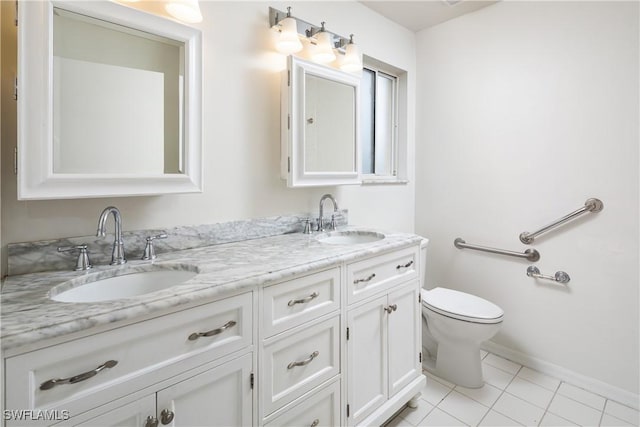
{"type": "Point", "coordinates": [30, 319]}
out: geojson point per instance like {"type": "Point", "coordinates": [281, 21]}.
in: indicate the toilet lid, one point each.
{"type": "Point", "coordinates": [460, 305]}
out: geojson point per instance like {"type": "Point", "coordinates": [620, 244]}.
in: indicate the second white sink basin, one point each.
{"type": "Point", "coordinates": [124, 286]}
{"type": "Point", "coordinates": [350, 237]}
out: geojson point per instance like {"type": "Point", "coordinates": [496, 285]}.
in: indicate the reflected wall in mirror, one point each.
{"type": "Point", "coordinates": [113, 99]}
{"type": "Point", "coordinates": [124, 96]}
{"type": "Point", "coordinates": [320, 137]}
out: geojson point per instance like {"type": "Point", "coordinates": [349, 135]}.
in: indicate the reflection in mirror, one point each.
{"type": "Point", "coordinates": [329, 125]}
{"type": "Point", "coordinates": [117, 98]}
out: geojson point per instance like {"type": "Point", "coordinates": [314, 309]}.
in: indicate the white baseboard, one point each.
{"type": "Point", "coordinates": [599, 387]}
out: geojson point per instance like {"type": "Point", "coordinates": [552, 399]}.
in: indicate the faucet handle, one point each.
{"type": "Point", "coordinates": [333, 221]}
{"type": "Point", "coordinates": [149, 250]}
{"type": "Point", "coordinates": [83, 262]}
{"type": "Point", "coordinates": [307, 226]}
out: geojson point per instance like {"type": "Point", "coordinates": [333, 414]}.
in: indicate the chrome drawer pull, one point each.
{"type": "Point", "coordinates": [364, 280]}
{"type": "Point", "coordinates": [304, 300]}
{"type": "Point", "coordinates": [194, 336]}
{"type": "Point", "coordinates": [77, 378]}
{"type": "Point", "coordinates": [392, 307]}
{"type": "Point", "coordinates": [305, 361]}
{"type": "Point", "coordinates": [315, 423]}
{"type": "Point", "coordinates": [407, 265]}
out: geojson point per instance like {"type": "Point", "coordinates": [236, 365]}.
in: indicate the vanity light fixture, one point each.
{"type": "Point", "coordinates": [323, 45]}
{"type": "Point", "coordinates": [288, 41]}
{"type": "Point", "coordinates": [184, 10]}
{"type": "Point", "coordinates": [352, 60]}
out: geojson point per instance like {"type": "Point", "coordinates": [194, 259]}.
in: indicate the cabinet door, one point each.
{"type": "Point", "coordinates": [133, 414]}
{"type": "Point", "coordinates": [404, 337]}
{"type": "Point", "coordinates": [367, 361]}
{"type": "Point", "coordinates": [221, 396]}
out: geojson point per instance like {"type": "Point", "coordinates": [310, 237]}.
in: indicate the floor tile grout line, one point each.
{"type": "Point", "coordinates": [582, 403]}
{"type": "Point", "coordinates": [441, 400]}
{"type": "Point", "coordinates": [505, 391]}
{"type": "Point", "coordinates": [546, 410]}
{"type": "Point", "coordinates": [501, 394]}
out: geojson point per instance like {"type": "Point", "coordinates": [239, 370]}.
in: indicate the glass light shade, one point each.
{"type": "Point", "coordinates": [351, 61]}
{"type": "Point", "coordinates": [288, 42]}
{"type": "Point", "coordinates": [185, 10]}
{"type": "Point", "coordinates": [324, 51]}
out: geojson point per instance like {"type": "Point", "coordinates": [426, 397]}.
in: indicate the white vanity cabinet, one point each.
{"type": "Point", "coordinates": [219, 396]}
{"type": "Point", "coordinates": [154, 356]}
{"type": "Point", "coordinates": [300, 350]}
{"type": "Point", "coordinates": [338, 345]}
{"type": "Point", "coordinates": [383, 336]}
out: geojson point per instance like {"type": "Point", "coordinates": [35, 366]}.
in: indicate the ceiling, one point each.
{"type": "Point", "coordinates": [420, 14]}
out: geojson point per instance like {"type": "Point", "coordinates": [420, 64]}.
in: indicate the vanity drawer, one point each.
{"type": "Point", "coordinates": [145, 353]}
{"type": "Point", "coordinates": [322, 408]}
{"type": "Point", "coordinates": [289, 304]}
{"type": "Point", "coordinates": [372, 275]}
{"type": "Point", "coordinates": [298, 362]}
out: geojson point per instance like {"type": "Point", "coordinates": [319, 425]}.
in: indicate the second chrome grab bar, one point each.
{"type": "Point", "coordinates": [560, 276]}
{"type": "Point", "coordinates": [591, 205]}
{"type": "Point", "coordinates": [530, 254]}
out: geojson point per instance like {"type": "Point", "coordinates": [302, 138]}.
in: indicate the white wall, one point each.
{"type": "Point", "coordinates": [241, 134]}
{"type": "Point", "coordinates": [525, 110]}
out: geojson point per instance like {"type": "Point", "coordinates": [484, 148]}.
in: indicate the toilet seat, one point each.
{"type": "Point", "coordinates": [461, 306]}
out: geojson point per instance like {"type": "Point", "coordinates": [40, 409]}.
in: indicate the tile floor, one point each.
{"type": "Point", "coordinates": [513, 395]}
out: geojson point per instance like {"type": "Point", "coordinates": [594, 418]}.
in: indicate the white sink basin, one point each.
{"type": "Point", "coordinates": [124, 286]}
{"type": "Point", "coordinates": [353, 237]}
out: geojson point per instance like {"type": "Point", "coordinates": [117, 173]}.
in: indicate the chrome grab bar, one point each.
{"type": "Point", "coordinates": [560, 276]}
{"type": "Point", "coordinates": [530, 254]}
{"type": "Point", "coordinates": [591, 205]}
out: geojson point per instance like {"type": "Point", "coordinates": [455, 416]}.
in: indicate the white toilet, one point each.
{"type": "Point", "coordinates": [454, 324]}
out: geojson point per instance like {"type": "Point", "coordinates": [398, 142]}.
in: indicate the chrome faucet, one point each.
{"type": "Point", "coordinates": [335, 209]}
{"type": "Point", "coordinates": [117, 256]}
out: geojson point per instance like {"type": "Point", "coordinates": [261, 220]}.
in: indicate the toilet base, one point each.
{"type": "Point", "coordinates": [459, 364]}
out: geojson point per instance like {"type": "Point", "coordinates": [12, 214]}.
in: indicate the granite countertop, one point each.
{"type": "Point", "coordinates": [30, 318]}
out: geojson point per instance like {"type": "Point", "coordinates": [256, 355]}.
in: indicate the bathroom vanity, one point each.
{"type": "Point", "coordinates": [282, 330]}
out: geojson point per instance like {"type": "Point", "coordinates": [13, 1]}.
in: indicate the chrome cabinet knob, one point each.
{"type": "Point", "coordinates": [166, 416]}
{"type": "Point", "coordinates": [391, 308]}
{"type": "Point", "coordinates": [151, 422]}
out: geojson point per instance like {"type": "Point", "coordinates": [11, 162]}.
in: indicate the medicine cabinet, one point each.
{"type": "Point", "coordinates": [109, 102]}
{"type": "Point", "coordinates": [320, 135]}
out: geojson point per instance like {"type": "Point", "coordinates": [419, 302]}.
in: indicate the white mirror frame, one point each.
{"type": "Point", "coordinates": [36, 179]}
{"type": "Point", "coordinates": [293, 125]}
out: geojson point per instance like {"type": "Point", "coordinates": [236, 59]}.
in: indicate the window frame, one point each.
{"type": "Point", "coordinates": [395, 175]}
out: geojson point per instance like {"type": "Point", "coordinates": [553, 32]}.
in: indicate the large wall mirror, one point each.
{"type": "Point", "coordinates": [320, 125]}
{"type": "Point", "coordinates": [109, 103]}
